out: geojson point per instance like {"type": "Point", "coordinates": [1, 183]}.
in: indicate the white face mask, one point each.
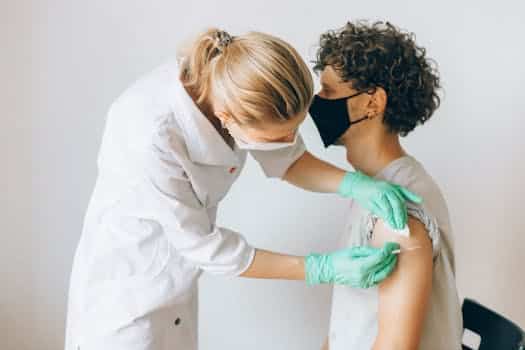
{"type": "Point", "coordinates": [260, 146]}
{"type": "Point", "coordinates": [264, 146]}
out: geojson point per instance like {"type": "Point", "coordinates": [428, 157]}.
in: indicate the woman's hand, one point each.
{"type": "Point", "coordinates": [360, 267]}
{"type": "Point", "coordinates": [384, 199]}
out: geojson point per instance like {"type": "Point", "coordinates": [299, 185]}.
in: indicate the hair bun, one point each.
{"type": "Point", "coordinates": [222, 39]}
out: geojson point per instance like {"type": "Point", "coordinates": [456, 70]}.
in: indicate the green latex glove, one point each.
{"type": "Point", "coordinates": [384, 199]}
{"type": "Point", "coordinates": [360, 267]}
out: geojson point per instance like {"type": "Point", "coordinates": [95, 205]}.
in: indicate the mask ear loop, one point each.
{"type": "Point", "coordinates": [349, 97]}
{"type": "Point", "coordinates": [359, 120]}
{"type": "Point", "coordinates": [368, 91]}
{"type": "Point", "coordinates": [340, 98]}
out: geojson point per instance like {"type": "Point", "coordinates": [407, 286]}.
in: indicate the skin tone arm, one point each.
{"type": "Point", "coordinates": [404, 295]}
{"type": "Point", "coordinates": [276, 266]}
{"type": "Point", "coordinates": [313, 174]}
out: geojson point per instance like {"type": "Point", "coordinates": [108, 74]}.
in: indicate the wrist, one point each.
{"type": "Point", "coordinates": [300, 266]}
{"type": "Point", "coordinates": [317, 269]}
{"type": "Point", "coordinates": [311, 273]}
{"type": "Point", "coordinates": [348, 183]}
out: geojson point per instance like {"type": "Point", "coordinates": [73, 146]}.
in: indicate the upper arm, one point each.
{"type": "Point", "coordinates": [404, 295]}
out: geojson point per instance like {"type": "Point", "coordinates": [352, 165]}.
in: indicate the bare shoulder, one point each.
{"type": "Point", "coordinates": [418, 236]}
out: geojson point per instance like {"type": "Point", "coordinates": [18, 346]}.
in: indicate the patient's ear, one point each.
{"type": "Point", "coordinates": [377, 102]}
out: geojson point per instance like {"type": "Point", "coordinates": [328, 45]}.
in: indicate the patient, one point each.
{"type": "Point", "coordinates": [378, 85]}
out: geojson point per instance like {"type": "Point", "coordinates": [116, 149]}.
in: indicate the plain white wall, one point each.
{"type": "Point", "coordinates": [63, 62]}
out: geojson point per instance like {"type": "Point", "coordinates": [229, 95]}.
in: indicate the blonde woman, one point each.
{"type": "Point", "coordinates": [173, 145]}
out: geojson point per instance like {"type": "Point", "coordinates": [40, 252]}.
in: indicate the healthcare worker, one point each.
{"type": "Point", "coordinates": [173, 145]}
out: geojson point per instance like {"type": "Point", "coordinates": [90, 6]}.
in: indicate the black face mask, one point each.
{"type": "Point", "coordinates": [331, 117]}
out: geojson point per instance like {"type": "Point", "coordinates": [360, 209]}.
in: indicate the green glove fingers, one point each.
{"type": "Point", "coordinates": [362, 251]}
{"type": "Point", "coordinates": [360, 267]}
{"type": "Point", "coordinates": [384, 271]}
{"type": "Point", "coordinates": [411, 196]}
{"type": "Point", "coordinates": [379, 211]}
{"type": "Point", "coordinates": [378, 258]}
{"type": "Point", "coordinates": [382, 198]}
{"type": "Point", "coordinates": [391, 216]}
{"type": "Point", "coordinates": [318, 269]}
{"type": "Point", "coordinates": [399, 211]}
{"type": "Point", "coordinates": [384, 267]}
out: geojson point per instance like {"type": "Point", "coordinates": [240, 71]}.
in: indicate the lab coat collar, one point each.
{"type": "Point", "coordinates": [205, 145]}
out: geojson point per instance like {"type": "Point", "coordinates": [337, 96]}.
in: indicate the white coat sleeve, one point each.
{"type": "Point", "coordinates": [275, 163]}
{"type": "Point", "coordinates": [186, 222]}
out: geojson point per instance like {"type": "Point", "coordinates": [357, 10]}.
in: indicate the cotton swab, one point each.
{"type": "Point", "coordinates": [399, 251]}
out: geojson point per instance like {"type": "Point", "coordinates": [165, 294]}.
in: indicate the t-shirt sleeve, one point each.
{"type": "Point", "coordinates": [419, 212]}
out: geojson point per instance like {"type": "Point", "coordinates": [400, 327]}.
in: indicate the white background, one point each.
{"type": "Point", "coordinates": [63, 62]}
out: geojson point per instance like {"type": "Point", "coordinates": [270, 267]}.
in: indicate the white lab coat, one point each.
{"type": "Point", "coordinates": [150, 228]}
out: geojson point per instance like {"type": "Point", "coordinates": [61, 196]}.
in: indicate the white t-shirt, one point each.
{"type": "Point", "coordinates": [354, 316]}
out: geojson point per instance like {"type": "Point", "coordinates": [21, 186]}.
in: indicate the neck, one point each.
{"type": "Point", "coordinates": [373, 153]}
{"type": "Point", "coordinates": [207, 110]}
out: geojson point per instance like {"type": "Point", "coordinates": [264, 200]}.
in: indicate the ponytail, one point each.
{"type": "Point", "coordinates": [198, 65]}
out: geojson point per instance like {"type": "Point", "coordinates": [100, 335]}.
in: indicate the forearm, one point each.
{"type": "Point", "coordinates": [268, 264]}
{"type": "Point", "coordinates": [313, 174]}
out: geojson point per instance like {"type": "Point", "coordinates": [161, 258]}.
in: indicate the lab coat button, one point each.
{"type": "Point", "coordinates": [177, 321]}
{"type": "Point", "coordinates": [232, 170]}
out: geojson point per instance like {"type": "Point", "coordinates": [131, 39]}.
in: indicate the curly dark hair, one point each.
{"type": "Point", "coordinates": [381, 55]}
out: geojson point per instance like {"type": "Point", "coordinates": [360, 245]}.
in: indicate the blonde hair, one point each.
{"type": "Point", "coordinates": [256, 76]}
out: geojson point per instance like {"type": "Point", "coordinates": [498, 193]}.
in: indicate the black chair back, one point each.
{"type": "Point", "coordinates": [496, 332]}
